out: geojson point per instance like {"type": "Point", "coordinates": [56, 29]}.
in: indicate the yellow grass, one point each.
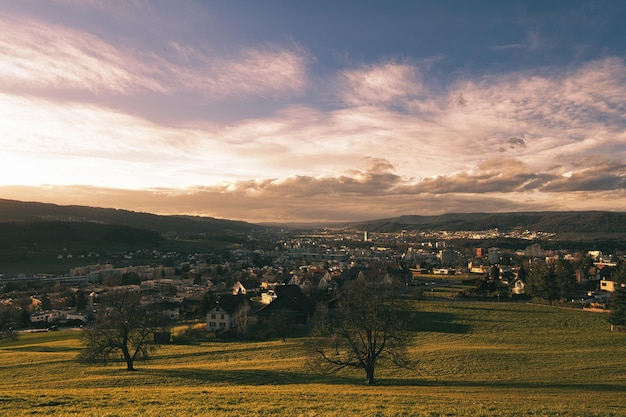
{"type": "Point", "coordinates": [475, 359]}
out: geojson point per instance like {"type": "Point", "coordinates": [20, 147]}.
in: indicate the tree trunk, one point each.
{"type": "Point", "coordinates": [369, 375]}
{"type": "Point", "coordinates": [129, 359]}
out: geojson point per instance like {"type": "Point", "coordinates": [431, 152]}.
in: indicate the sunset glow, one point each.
{"type": "Point", "coordinates": [272, 111]}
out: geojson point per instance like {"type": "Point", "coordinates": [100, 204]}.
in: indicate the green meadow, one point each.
{"type": "Point", "coordinates": [475, 359]}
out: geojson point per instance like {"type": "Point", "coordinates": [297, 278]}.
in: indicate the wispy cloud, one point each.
{"type": "Point", "coordinates": [38, 56]}
{"type": "Point", "coordinates": [43, 56]}
{"type": "Point", "coordinates": [249, 127]}
{"type": "Point", "coordinates": [532, 41]}
{"type": "Point", "coordinates": [260, 72]}
{"type": "Point", "coordinates": [385, 83]}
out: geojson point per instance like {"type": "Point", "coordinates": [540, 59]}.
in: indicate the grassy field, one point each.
{"type": "Point", "coordinates": [475, 359]}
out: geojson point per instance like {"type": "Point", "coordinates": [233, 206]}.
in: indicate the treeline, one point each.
{"type": "Point", "coordinates": [552, 282]}
{"type": "Point", "coordinates": [559, 281]}
{"type": "Point", "coordinates": [597, 222]}
{"type": "Point", "coordinates": [35, 236]}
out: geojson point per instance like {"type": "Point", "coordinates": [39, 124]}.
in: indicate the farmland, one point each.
{"type": "Point", "coordinates": [474, 359]}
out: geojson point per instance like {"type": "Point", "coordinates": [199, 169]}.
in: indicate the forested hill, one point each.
{"type": "Point", "coordinates": [27, 236]}
{"type": "Point", "coordinates": [18, 211]}
{"type": "Point", "coordinates": [598, 222]}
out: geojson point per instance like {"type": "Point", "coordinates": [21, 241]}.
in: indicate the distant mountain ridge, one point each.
{"type": "Point", "coordinates": [20, 211]}
{"type": "Point", "coordinates": [603, 222]}
{"type": "Point", "coordinates": [556, 222]}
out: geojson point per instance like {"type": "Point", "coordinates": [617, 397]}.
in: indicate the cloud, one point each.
{"type": "Point", "coordinates": [80, 105]}
{"type": "Point", "coordinates": [45, 56]}
{"type": "Point", "coordinates": [532, 42]}
{"type": "Point", "coordinates": [513, 143]}
{"type": "Point", "coordinates": [590, 174]}
{"type": "Point", "coordinates": [385, 83]}
{"type": "Point", "coordinates": [558, 115]}
{"type": "Point", "coordinates": [267, 71]}
{"type": "Point", "coordinates": [262, 207]}
{"type": "Point", "coordinates": [492, 176]}
{"type": "Point", "coordinates": [301, 142]}
{"type": "Point", "coordinates": [98, 146]}
{"type": "Point", "coordinates": [496, 185]}
{"type": "Point", "coordinates": [260, 72]}
{"type": "Point", "coordinates": [375, 181]}
{"type": "Point", "coordinates": [511, 176]}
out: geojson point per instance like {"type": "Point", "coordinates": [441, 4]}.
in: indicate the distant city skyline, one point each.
{"type": "Point", "coordinates": [314, 111]}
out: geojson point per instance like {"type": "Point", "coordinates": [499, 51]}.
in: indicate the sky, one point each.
{"type": "Point", "coordinates": [314, 111]}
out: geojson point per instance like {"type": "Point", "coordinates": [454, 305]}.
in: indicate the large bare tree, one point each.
{"type": "Point", "coordinates": [365, 329]}
{"type": "Point", "coordinates": [125, 328]}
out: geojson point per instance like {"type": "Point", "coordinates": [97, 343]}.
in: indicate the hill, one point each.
{"type": "Point", "coordinates": [36, 236]}
{"type": "Point", "coordinates": [475, 359]}
{"type": "Point", "coordinates": [19, 211]}
{"type": "Point", "coordinates": [596, 222]}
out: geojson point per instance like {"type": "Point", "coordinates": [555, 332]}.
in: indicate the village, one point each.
{"type": "Point", "coordinates": [276, 280]}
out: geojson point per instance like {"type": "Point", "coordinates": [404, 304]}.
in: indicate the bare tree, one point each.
{"type": "Point", "coordinates": [124, 329]}
{"type": "Point", "coordinates": [8, 334]}
{"type": "Point", "coordinates": [365, 329]}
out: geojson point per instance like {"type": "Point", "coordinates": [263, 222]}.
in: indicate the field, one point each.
{"type": "Point", "coordinates": [475, 359]}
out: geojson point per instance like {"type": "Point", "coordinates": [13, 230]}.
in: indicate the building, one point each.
{"type": "Point", "coordinates": [268, 296]}
{"type": "Point", "coordinates": [75, 316]}
{"type": "Point", "coordinates": [290, 305]}
{"type": "Point", "coordinates": [608, 285]}
{"type": "Point", "coordinates": [246, 287]}
{"type": "Point", "coordinates": [229, 313]}
{"type": "Point", "coordinates": [493, 256]}
{"type": "Point", "coordinates": [534, 251]}
{"type": "Point", "coordinates": [47, 316]}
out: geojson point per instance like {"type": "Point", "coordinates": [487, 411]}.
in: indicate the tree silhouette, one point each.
{"type": "Point", "coordinates": [364, 330]}
{"type": "Point", "coordinates": [124, 329]}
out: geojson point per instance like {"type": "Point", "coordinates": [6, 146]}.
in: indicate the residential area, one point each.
{"type": "Point", "coordinates": [275, 281]}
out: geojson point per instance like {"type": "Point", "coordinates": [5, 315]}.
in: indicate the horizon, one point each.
{"type": "Point", "coordinates": [324, 223]}
{"type": "Point", "coordinates": [277, 112]}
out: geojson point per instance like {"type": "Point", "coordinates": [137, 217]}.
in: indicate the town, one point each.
{"type": "Point", "coordinates": [274, 279]}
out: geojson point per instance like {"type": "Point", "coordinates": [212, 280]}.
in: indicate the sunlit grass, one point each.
{"type": "Point", "coordinates": [489, 359]}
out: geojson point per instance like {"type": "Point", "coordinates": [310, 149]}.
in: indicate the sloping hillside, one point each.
{"type": "Point", "coordinates": [557, 222]}
{"type": "Point", "coordinates": [33, 236]}
{"type": "Point", "coordinates": [18, 211]}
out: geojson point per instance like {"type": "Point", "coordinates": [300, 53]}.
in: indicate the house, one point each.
{"type": "Point", "coordinates": [608, 285]}
{"type": "Point", "coordinates": [604, 272]}
{"type": "Point", "coordinates": [400, 276]}
{"type": "Point", "coordinates": [229, 313]}
{"type": "Point", "coordinates": [307, 285]}
{"type": "Point", "coordinates": [518, 287]}
{"type": "Point", "coordinates": [294, 280]}
{"type": "Point", "coordinates": [291, 304]}
{"type": "Point", "coordinates": [170, 308]}
{"type": "Point", "coordinates": [47, 316]}
{"type": "Point", "coordinates": [268, 296]}
{"type": "Point", "coordinates": [77, 316]}
{"type": "Point", "coordinates": [325, 283]}
{"type": "Point", "coordinates": [246, 287]}
{"type": "Point", "coordinates": [353, 273]}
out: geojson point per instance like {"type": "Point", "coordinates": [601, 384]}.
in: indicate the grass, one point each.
{"type": "Point", "coordinates": [475, 359]}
